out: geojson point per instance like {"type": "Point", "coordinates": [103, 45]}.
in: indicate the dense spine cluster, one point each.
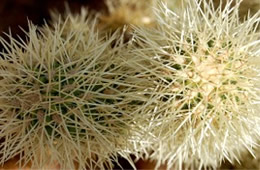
{"type": "Point", "coordinates": [63, 97]}
{"type": "Point", "coordinates": [183, 91]}
{"type": "Point", "coordinates": [204, 73]}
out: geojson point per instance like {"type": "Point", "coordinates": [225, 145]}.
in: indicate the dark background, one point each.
{"type": "Point", "coordinates": [16, 13]}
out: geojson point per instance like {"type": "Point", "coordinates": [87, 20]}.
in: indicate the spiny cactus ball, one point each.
{"type": "Point", "coordinates": [62, 97]}
{"type": "Point", "coordinates": [203, 67]}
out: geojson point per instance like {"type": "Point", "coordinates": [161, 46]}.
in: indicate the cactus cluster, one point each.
{"type": "Point", "coordinates": [63, 97]}
{"type": "Point", "coordinates": [203, 67]}
{"type": "Point", "coordinates": [184, 92]}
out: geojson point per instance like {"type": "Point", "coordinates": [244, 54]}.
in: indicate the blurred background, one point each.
{"type": "Point", "coordinates": [16, 13]}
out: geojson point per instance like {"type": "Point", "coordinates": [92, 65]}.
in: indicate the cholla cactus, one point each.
{"type": "Point", "coordinates": [63, 98]}
{"type": "Point", "coordinates": [204, 84]}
